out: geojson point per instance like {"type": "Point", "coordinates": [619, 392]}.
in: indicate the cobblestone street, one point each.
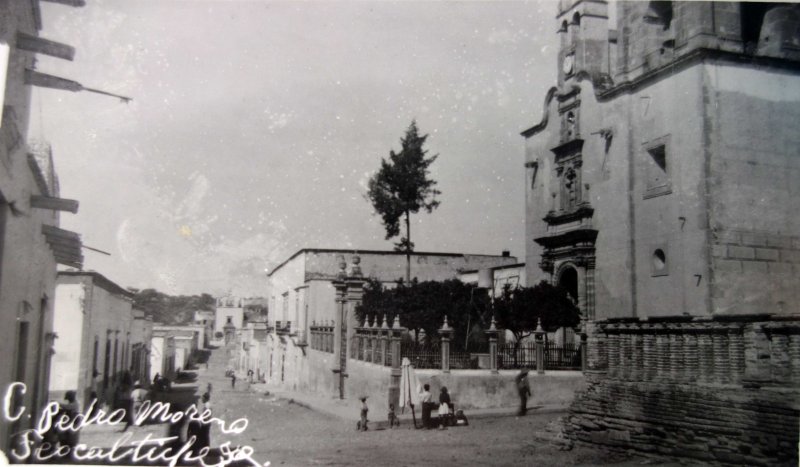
{"type": "Point", "coordinates": [283, 432]}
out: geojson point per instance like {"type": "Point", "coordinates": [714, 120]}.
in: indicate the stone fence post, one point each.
{"type": "Point", "coordinates": [373, 338]}
{"type": "Point", "coordinates": [538, 336]}
{"type": "Point", "coordinates": [384, 341]}
{"type": "Point", "coordinates": [491, 333]}
{"type": "Point", "coordinates": [445, 332]}
{"type": "Point", "coordinates": [395, 334]}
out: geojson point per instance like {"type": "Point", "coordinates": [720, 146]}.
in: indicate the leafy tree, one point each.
{"type": "Point", "coordinates": [519, 310]}
{"type": "Point", "coordinates": [422, 306]}
{"type": "Point", "coordinates": [401, 187]}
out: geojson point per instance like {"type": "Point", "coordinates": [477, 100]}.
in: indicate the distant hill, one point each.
{"type": "Point", "coordinates": [170, 309]}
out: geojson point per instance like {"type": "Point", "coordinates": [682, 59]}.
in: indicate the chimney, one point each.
{"type": "Point", "coordinates": [506, 253]}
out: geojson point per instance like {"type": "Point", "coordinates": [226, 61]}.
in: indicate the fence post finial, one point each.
{"type": "Point", "coordinates": [342, 274]}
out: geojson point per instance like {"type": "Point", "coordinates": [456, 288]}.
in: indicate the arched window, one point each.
{"type": "Point", "coordinates": [575, 27]}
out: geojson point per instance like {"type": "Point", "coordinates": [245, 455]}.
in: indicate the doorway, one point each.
{"type": "Point", "coordinates": [568, 279]}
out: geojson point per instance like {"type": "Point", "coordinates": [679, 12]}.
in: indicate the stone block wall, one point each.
{"type": "Point", "coordinates": [722, 390]}
{"type": "Point", "coordinates": [755, 270]}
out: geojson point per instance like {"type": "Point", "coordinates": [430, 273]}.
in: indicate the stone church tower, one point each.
{"type": "Point", "coordinates": [663, 183]}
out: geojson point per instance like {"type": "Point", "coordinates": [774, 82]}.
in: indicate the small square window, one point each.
{"type": "Point", "coordinates": [657, 169]}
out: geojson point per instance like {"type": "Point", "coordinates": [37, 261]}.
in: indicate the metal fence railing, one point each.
{"type": "Point", "coordinates": [321, 338]}
{"type": "Point", "coordinates": [556, 357]}
{"type": "Point", "coordinates": [429, 356]}
{"type": "Point", "coordinates": [562, 357]}
{"type": "Point", "coordinates": [422, 355]}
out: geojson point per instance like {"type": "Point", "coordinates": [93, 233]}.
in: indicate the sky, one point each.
{"type": "Point", "coordinates": [255, 126]}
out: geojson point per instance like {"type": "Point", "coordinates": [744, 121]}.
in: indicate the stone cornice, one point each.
{"type": "Point", "coordinates": [569, 148]}
{"type": "Point", "coordinates": [567, 238]}
{"type": "Point", "coordinates": [686, 60]}
{"type": "Point", "coordinates": [606, 90]}
{"type": "Point", "coordinates": [583, 211]}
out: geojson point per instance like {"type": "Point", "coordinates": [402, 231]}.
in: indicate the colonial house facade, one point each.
{"type": "Point", "coordinates": [229, 310]}
{"type": "Point", "coordinates": [31, 243]}
{"type": "Point", "coordinates": [141, 335]}
{"type": "Point", "coordinates": [661, 190]}
{"type": "Point", "coordinates": [162, 354]}
{"type": "Point", "coordinates": [94, 320]}
{"type": "Point", "coordinates": [188, 339]}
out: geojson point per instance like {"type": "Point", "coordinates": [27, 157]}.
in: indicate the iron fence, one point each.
{"type": "Point", "coordinates": [463, 361]}
{"type": "Point", "coordinates": [429, 356]}
{"type": "Point", "coordinates": [562, 357]}
{"type": "Point", "coordinates": [322, 338]}
{"type": "Point", "coordinates": [422, 355]}
{"type": "Point", "coordinates": [510, 356]}
{"type": "Point", "coordinates": [556, 357]}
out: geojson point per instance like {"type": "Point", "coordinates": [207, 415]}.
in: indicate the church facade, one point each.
{"type": "Point", "coordinates": [662, 182]}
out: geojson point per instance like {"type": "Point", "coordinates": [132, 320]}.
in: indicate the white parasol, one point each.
{"type": "Point", "coordinates": [409, 385]}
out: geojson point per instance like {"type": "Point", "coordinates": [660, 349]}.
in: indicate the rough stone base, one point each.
{"type": "Point", "coordinates": [729, 425]}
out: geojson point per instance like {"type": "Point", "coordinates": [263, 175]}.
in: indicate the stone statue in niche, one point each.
{"type": "Point", "coordinates": [568, 125]}
{"type": "Point", "coordinates": [570, 187]}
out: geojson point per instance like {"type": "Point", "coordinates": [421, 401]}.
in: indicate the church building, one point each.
{"type": "Point", "coordinates": [661, 191]}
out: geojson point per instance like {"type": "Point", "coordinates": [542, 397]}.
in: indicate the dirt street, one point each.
{"type": "Point", "coordinates": [282, 432]}
{"type": "Point", "coordinates": [286, 434]}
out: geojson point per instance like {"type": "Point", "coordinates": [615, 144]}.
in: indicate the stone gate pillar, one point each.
{"type": "Point", "coordinates": [338, 368]}
{"type": "Point", "coordinates": [354, 291]}
{"type": "Point", "coordinates": [354, 294]}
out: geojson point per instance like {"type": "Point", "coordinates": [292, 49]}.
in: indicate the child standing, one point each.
{"type": "Point", "coordinates": [393, 417]}
{"type": "Point", "coordinates": [364, 409]}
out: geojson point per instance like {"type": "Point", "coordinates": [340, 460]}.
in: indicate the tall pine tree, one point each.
{"type": "Point", "coordinates": [401, 187]}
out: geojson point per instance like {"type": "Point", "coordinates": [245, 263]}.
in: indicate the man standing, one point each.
{"type": "Point", "coordinates": [69, 409]}
{"type": "Point", "coordinates": [524, 388]}
{"type": "Point", "coordinates": [426, 400]}
{"type": "Point", "coordinates": [138, 396]}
